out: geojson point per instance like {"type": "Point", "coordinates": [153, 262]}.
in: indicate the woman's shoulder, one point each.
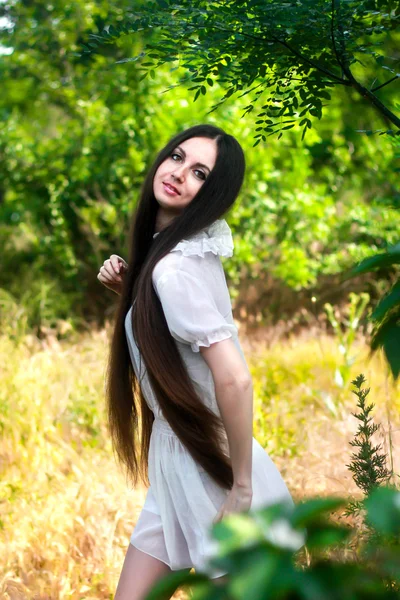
{"type": "Point", "coordinates": [216, 239]}
{"type": "Point", "coordinates": [177, 264]}
{"type": "Point", "coordinates": [198, 252]}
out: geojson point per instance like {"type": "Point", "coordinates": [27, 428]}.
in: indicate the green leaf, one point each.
{"type": "Point", "coordinates": [326, 535]}
{"type": "Point", "coordinates": [167, 586]}
{"type": "Point", "coordinates": [388, 337]}
{"type": "Point", "coordinates": [307, 511]}
{"type": "Point", "coordinates": [303, 112]}
{"type": "Point", "coordinates": [383, 510]}
{"type": "Point", "coordinates": [323, 94]}
{"type": "Point", "coordinates": [376, 261]}
{"type": "Point", "coordinates": [316, 112]}
{"type": "Point", "coordinates": [254, 581]}
{"type": "Point", "coordinates": [303, 94]}
{"type": "Point", "coordinates": [392, 299]}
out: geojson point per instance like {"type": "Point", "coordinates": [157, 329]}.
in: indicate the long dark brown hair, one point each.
{"type": "Point", "coordinates": [198, 428]}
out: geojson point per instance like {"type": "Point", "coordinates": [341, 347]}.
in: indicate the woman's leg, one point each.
{"type": "Point", "coordinates": [221, 580]}
{"type": "Point", "coordinates": [140, 572]}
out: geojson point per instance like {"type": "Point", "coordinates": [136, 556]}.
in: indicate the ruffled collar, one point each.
{"type": "Point", "coordinates": [216, 238]}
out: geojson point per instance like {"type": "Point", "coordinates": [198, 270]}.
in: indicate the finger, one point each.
{"type": "Point", "coordinates": [114, 287]}
{"type": "Point", "coordinates": [115, 262]}
{"type": "Point", "coordinates": [103, 280]}
{"type": "Point", "coordinates": [107, 284]}
{"type": "Point", "coordinates": [105, 276]}
{"type": "Point", "coordinates": [115, 259]}
{"type": "Point", "coordinates": [123, 266]}
{"type": "Point", "coordinates": [110, 271]}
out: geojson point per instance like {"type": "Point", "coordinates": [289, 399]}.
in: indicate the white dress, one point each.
{"type": "Point", "coordinates": [182, 500]}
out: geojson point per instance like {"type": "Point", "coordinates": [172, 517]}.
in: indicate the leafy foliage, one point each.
{"type": "Point", "coordinates": [260, 553]}
{"type": "Point", "coordinates": [386, 315]}
{"type": "Point", "coordinates": [289, 55]}
{"type": "Point", "coordinates": [77, 141]}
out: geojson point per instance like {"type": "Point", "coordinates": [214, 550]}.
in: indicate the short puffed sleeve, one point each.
{"type": "Point", "coordinates": [190, 310]}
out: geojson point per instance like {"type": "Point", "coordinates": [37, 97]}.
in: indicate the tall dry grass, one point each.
{"type": "Point", "coordinates": [66, 512]}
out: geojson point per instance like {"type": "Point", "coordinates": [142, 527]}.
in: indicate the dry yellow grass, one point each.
{"type": "Point", "coordinates": [66, 512]}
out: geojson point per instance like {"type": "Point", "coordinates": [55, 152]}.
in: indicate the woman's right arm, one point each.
{"type": "Point", "coordinates": [112, 272]}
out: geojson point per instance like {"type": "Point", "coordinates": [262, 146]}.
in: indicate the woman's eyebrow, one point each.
{"type": "Point", "coordinates": [198, 164]}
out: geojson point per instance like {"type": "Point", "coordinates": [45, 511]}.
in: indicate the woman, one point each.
{"type": "Point", "coordinates": [176, 365]}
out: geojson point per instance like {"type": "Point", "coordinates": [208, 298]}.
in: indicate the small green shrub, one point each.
{"type": "Point", "coordinates": [368, 464]}
{"type": "Point", "coordinates": [260, 552]}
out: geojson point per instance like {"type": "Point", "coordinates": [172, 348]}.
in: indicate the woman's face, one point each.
{"type": "Point", "coordinates": [179, 178]}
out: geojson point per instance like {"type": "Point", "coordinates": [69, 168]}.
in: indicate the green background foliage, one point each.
{"type": "Point", "coordinates": [78, 137]}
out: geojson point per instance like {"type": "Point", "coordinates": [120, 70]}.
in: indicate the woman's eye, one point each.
{"type": "Point", "coordinates": [201, 176]}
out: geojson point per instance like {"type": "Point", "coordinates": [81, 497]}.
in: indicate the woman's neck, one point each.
{"type": "Point", "coordinates": [163, 219]}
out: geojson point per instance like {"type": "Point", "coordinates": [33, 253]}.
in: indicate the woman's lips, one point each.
{"type": "Point", "coordinates": [170, 189]}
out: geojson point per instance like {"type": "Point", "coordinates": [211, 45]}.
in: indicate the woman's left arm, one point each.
{"type": "Point", "coordinates": [234, 394]}
{"type": "Point", "coordinates": [193, 317]}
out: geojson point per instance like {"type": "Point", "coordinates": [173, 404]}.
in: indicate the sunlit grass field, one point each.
{"type": "Point", "coordinates": [66, 510]}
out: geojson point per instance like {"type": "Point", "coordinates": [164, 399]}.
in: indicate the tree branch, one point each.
{"type": "Point", "coordinates": [364, 91]}
{"type": "Point", "coordinates": [386, 83]}
{"type": "Point", "coordinates": [315, 65]}
{"type": "Point", "coordinates": [278, 41]}
{"type": "Point", "coordinates": [372, 98]}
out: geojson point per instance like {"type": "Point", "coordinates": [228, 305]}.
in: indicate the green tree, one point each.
{"type": "Point", "coordinates": [287, 54]}
{"type": "Point", "coordinates": [77, 140]}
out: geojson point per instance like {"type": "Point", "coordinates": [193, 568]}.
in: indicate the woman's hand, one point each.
{"type": "Point", "coordinates": [238, 500]}
{"type": "Point", "coordinates": [112, 272]}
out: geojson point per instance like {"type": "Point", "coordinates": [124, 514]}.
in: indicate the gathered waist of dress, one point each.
{"type": "Point", "coordinates": [163, 426]}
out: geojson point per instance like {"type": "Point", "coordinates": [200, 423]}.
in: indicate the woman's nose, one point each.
{"type": "Point", "coordinates": [179, 172]}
